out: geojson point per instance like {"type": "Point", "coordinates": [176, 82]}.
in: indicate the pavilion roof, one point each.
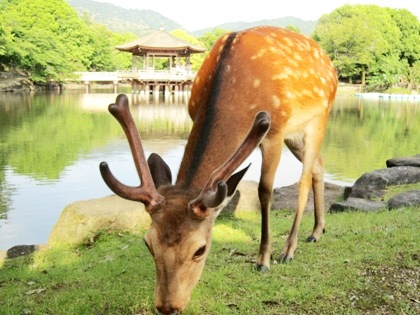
{"type": "Point", "coordinates": [160, 41]}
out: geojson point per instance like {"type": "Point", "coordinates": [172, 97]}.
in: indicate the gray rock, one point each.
{"type": "Point", "coordinates": [406, 161]}
{"type": "Point", "coordinates": [357, 204]}
{"type": "Point", "coordinates": [286, 197]}
{"type": "Point", "coordinates": [364, 192]}
{"type": "Point", "coordinates": [397, 175]}
{"type": "Point", "coordinates": [246, 197]}
{"type": "Point", "coordinates": [406, 199]}
{"type": "Point", "coordinates": [372, 184]}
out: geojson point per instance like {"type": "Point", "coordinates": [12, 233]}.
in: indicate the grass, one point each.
{"type": "Point", "coordinates": [366, 263]}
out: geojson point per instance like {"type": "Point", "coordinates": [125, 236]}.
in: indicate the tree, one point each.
{"type": "Point", "coordinates": [196, 59]}
{"type": "Point", "coordinates": [355, 36]}
{"type": "Point", "coordinates": [48, 39]}
{"type": "Point", "coordinates": [209, 38]}
{"type": "Point", "coordinates": [409, 27]}
{"type": "Point", "coordinates": [293, 28]}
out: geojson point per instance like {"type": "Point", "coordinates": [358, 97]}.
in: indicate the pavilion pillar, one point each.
{"type": "Point", "coordinates": [134, 67]}
{"type": "Point", "coordinates": [187, 63]}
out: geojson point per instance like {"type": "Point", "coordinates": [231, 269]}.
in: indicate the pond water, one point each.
{"type": "Point", "coordinates": [51, 146]}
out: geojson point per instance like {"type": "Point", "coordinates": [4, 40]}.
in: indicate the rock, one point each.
{"type": "Point", "coordinates": [246, 198]}
{"type": "Point", "coordinates": [15, 81]}
{"type": "Point", "coordinates": [372, 183]}
{"type": "Point", "coordinates": [81, 221]}
{"type": "Point", "coordinates": [286, 197]}
{"type": "Point", "coordinates": [406, 161]}
{"type": "Point", "coordinates": [363, 192]}
{"type": "Point", "coordinates": [406, 199]}
{"type": "Point", "coordinates": [22, 250]}
{"type": "Point", "coordinates": [397, 175]}
{"type": "Point", "coordinates": [357, 204]}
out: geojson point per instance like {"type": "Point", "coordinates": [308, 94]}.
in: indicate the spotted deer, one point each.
{"type": "Point", "coordinates": [263, 87]}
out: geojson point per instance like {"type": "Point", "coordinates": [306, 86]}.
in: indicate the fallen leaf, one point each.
{"type": "Point", "coordinates": [125, 247]}
{"type": "Point", "coordinates": [36, 291]}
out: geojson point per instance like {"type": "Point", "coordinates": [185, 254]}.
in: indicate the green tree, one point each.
{"type": "Point", "coordinates": [355, 36]}
{"type": "Point", "coordinates": [121, 60]}
{"type": "Point", "coordinates": [209, 38]}
{"type": "Point", "coordinates": [293, 28]}
{"type": "Point", "coordinates": [409, 27]}
{"type": "Point", "coordinates": [48, 39]}
{"type": "Point", "coordinates": [196, 59]}
{"type": "Point", "coordinates": [373, 44]}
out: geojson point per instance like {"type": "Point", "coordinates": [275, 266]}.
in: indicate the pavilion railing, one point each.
{"type": "Point", "coordinates": [142, 75]}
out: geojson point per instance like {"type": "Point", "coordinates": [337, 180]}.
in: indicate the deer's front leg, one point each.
{"type": "Point", "coordinates": [271, 153]}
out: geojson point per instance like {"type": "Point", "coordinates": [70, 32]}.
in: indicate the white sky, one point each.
{"type": "Point", "coordinates": [197, 14]}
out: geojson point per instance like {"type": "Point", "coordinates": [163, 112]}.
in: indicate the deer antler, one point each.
{"type": "Point", "coordinates": [146, 192]}
{"type": "Point", "coordinates": [215, 191]}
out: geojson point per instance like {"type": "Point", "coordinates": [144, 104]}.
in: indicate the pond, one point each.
{"type": "Point", "coordinates": [51, 146]}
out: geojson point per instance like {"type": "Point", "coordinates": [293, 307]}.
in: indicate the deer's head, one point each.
{"type": "Point", "coordinates": [179, 238]}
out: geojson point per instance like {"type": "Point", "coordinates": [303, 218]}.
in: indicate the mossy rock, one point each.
{"type": "Point", "coordinates": [81, 221]}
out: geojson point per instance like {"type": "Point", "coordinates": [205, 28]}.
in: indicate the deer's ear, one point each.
{"type": "Point", "coordinates": [160, 171]}
{"type": "Point", "coordinates": [234, 180]}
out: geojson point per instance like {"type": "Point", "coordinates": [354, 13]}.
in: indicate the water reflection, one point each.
{"type": "Point", "coordinates": [51, 145]}
{"type": "Point", "coordinates": [362, 134]}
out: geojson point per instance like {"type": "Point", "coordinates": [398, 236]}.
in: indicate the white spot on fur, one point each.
{"type": "Point", "coordinates": [276, 101]}
{"type": "Point", "coordinates": [307, 92]}
{"type": "Point", "coordinates": [288, 41]}
{"type": "Point", "coordinates": [289, 95]}
{"type": "Point", "coordinates": [260, 54]}
{"type": "Point", "coordinates": [257, 83]}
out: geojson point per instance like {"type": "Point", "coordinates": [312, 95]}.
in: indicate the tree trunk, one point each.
{"type": "Point", "coordinates": [363, 75]}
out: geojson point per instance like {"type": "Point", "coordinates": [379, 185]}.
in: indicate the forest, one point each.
{"type": "Point", "coordinates": [369, 45]}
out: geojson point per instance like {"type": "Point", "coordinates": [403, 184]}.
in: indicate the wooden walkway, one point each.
{"type": "Point", "coordinates": [143, 80]}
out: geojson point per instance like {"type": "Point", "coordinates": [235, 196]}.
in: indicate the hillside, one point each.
{"type": "Point", "coordinates": [305, 27]}
{"type": "Point", "coordinates": [122, 20]}
{"type": "Point", "coordinates": [140, 22]}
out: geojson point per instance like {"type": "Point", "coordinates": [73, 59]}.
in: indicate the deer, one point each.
{"type": "Point", "coordinates": [261, 87]}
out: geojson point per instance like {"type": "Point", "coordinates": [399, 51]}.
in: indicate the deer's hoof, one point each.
{"type": "Point", "coordinates": [311, 239]}
{"type": "Point", "coordinates": [261, 268]}
{"type": "Point", "coordinates": [285, 259]}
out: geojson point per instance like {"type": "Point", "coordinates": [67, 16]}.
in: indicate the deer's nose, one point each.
{"type": "Point", "coordinates": [167, 310]}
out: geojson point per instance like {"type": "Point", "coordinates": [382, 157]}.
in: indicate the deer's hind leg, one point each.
{"type": "Point", "coordinates": [306, 149]}
{"type": "Point", "coordinates": [317, 187]}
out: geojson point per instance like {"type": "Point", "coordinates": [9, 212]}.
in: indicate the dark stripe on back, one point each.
{"type": "Point", "coordinates": [210, 111]}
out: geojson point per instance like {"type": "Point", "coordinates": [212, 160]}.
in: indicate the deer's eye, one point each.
{"type": "Point", "coordinates": [200, 252]}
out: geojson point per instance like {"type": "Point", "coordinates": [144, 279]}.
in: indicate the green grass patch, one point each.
{"type": "Point", "coordinates": [398, 90]}
{"type": "Point", "coordinates": [366, 263]}
{"type": "Point", "coordinates": [391, 191]}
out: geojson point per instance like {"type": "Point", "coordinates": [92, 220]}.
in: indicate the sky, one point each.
{"type": "Point", "coordinates": [195, 14]}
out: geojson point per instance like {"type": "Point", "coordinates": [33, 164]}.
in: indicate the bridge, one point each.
{"type": "Point", "coordinates": [143, 80]}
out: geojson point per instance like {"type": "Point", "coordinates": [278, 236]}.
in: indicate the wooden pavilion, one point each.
{"type": "Point", "coordinates": [146, 51]}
